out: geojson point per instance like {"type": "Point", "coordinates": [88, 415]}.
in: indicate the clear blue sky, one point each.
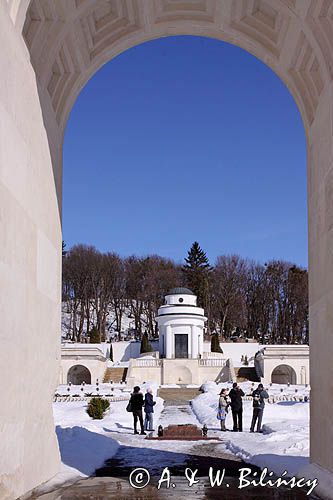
{"type": "Point", "coordinates": [182, 139]}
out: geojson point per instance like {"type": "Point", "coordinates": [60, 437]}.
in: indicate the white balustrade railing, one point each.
{"type": "Point", "coordinates": [137, 363]}
{"type": "Point", "coordinates": [70, 399]}
{"type": "Point", "coordinates": [212, 362]}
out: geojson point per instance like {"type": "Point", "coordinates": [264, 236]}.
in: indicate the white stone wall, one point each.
{"type": "Point", "coordinates": [235, 350]}
{"type": "Point", "coordinates": [295, 356]}
{"type": "Point", "coordinates": [301, 367]}
{"type": "Point", "coordinates": [178, 371]}
{"type": "Point", "coordinates": [124, 351]}
{"type": "Point", "coordinates": [30, 273]}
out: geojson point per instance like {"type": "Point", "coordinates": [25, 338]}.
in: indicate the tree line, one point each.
{"type": "Point", "coordinates": [268, 302]}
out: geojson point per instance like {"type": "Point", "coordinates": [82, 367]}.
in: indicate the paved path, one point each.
{"type": "Point", "coordinates": [180, 414]}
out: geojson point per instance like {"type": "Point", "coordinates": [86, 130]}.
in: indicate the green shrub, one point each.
{"type": "Point", "coordinates": [215, 343]}
{"type": "Point", "coordinates": [97, 407]}
{"type": "Point", "coordinates": [105, 404]}
{"type": "Point", "coordinates": [95, 336]}
{"type": "Point", "coordinates": [145, 344]}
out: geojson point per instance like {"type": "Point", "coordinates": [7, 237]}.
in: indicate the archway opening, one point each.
{"type": "Point", "coordinates": [201, 141]}
{"type": "Point", "coordinates": [78, 374]}
{"type": "Point", "coordinates": [284, 374]}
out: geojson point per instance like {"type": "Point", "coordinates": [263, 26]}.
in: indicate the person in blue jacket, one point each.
{"type": "Point", "coordinates": [149, 410]}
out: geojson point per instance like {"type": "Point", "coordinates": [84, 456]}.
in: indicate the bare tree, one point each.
{"type": "Point", "coordinates": [229, 278]}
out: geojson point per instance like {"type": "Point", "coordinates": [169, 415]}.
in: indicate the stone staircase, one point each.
{"type": "Point", "coordinates": [245, 373]}
{"type": "Point", "coordinates": [178, 395]}
{"type": "Point", "coordinates": [116, 374]}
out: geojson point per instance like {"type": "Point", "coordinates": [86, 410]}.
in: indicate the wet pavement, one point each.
{"type": "Point", "coordinates": [112, 480]}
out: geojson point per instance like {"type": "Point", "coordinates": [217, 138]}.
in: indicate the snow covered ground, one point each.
{"type": "Point", "coordinates": [85, 443]}
{"type": "Point", "coordinates": [284, 444]}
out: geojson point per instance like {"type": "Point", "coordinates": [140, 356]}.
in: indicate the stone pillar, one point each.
{"type": "Point", "coordinates": [161, 342]}
{"type": "Point", "coordinates": [200, 342]}
{"type": "Point", "coordinates": [194, 342]}
{"type": "Point", "coordinates": [320, 204]}
{"type": "Point", "coordinates": [168, 342]}
{"type": "Point", "coordinates": [30, 275]}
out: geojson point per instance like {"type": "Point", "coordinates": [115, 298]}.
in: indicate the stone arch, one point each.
{"type": "Point", "coordinates": [284, 374]}
{"type": "Point", "coordinates": [69, 41]}
{"type": "Point", "coordinates": [78, 374]}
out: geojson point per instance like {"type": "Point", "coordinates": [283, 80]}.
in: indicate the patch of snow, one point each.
{"type": "Point", "coordinates": [284, 444]}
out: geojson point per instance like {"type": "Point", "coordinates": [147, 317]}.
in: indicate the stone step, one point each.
{"type": "Point", "coordinates": [117, 374]}
{"type": "Point", "coordinates": [178, 394]}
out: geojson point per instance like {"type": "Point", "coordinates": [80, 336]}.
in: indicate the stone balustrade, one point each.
{"type": "Point", "coordinates": [212, 362]}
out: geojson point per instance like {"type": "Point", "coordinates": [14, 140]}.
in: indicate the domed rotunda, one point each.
{"type": "Point", "coordinates": [181, 322]}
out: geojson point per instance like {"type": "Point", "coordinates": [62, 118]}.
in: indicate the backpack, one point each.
{"type": "Point", "coordinates": [129, 406]}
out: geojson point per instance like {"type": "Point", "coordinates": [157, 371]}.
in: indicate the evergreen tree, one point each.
{"type": "Point", "coordinates": [215, 343]}
{"type": "Point", "coordinates": [145, 344]}
{"type": "Point", "coordinates": [95, 336]}
{"type": "Point", "coordinates": [111, 352]}
{"type": "Point", "coordinates": [196, 271]}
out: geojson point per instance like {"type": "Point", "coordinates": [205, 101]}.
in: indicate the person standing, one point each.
{"type": "Point", "coordinates": [136, 402]}
{"type": "Point", "coordinates": [236, 404]}
{"type": "Point", "coordinates": [149, 410]}
{"type": "Point", "coordinates": [223, 408]}
{"type": "Point", "coordinates": [259, 396]}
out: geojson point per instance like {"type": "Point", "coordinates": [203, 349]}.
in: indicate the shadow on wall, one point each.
{"type": "Point", "coordinates": [182, 375]}
{"type": "Point", "coordinates": [223, 376]}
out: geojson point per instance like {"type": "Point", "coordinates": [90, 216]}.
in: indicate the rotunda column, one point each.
{"type": "Point", "coordinates": [200, 341]}
{"type": "Point", "coordinates": [194, 342]}
{"type": "Point", "coordinates": [168, 342]}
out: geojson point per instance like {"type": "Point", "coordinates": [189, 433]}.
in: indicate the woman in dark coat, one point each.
{"type": "Point", "coordinates": [136, 402]}
{"type": "Point", "coordinates": [236, 395]}
{"type": "Point", "coordinates": [149, 410]}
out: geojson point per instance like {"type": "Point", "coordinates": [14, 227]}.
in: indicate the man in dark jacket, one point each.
{"type": "Point", "coordinates": [259, 396]}
{"type": "Point", "coordinates": [136, 402]}
{"type": "Point", "coordinates": [236, 404]}
{"type": "Point", "coordinates": [149, 410]}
